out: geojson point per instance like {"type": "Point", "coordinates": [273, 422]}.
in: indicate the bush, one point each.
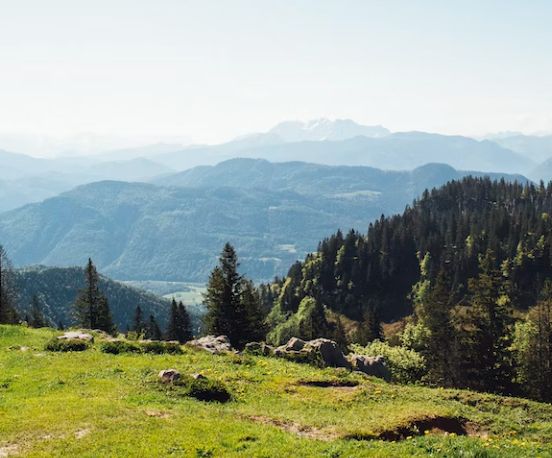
{"type": "Point", "coordinates": [158, 347]}
{"type": "Point", "coordinates": [405, 365]}
{"type": "Point", "coordinates": [115, 347]}
{"type": "Point", "coordinates": [56, 344]}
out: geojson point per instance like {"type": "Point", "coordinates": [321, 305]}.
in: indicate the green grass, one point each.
{"type": "Point", "coordinates": [95, 404]}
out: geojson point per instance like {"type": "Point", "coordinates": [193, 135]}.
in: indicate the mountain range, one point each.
{"type": "Point", "coordinates": [174, 228]}
{"type": "Point", "coordinates": [26, 179]}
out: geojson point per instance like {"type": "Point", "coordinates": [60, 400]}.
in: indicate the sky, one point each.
{"type": "Point", "coordinates": [207, 71]}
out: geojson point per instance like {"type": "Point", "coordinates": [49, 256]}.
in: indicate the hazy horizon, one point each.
{"type": "Point", "coordinates": [209, 72]}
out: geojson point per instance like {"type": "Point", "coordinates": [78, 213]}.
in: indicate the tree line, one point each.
{"type": "Point", "coordinates": [466, 272]}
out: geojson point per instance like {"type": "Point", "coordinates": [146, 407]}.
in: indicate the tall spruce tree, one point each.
{"type": "Point", "coordinates": [233, 307]}
{"type": "Point", "coordinates": [179, 326]}
{"type": "Point", "coordinates": [8, 294]}
{"type": "Point", "coordinates": [91, 306]}
{"type": "Point", "coordinates": [185, 324]}
{"type": "Point", "coordinates": [433, 311]}
{"type": "Point", "coordinates": [483, 355]}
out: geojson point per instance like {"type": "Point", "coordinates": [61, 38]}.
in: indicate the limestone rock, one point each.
{"type": "Point", "coordinates": [370, 365]}
{"type": "Point", "coordinates": [76, 335]}
{"type": "Point", "coordinates": [212, 344]}
{"type": "Point", "coordinates": [322, 352]}
{"type": "Point", "coordinates": [169, 375]}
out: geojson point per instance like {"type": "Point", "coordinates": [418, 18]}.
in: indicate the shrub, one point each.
{"type": "Point", "coordinates": [405, 365]}
{"type": "Point", "coordinates": [115, 347]}
{"type": "Point", "coordinates": [56, 344]}
{"type": "Point", "coordinates": [158, 347]}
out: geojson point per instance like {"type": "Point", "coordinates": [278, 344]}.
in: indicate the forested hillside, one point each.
{"type": "Point", "coordinates": [453, 225]}
{"type": "Point", "coordinates": [57, 288]}
{"type": "Point", "coordinates": [471, 261]}
{"type": "Point", "coordinates": [272, 213]}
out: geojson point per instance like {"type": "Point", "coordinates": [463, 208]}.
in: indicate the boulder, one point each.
{"type": "Point", "coordinates": [76, 335]}
{"type": "Point", "coordinates": [212, 344]}
{"type": "Point", "coordinates": [370, 365]}
{"type": "Point", "coordinates": [322, 352]}
{"type": "Point", "coordinates": [169, 375]}
{"type": "Point", "coordinates": [258, 349]}
{"type": "Point", "coordinates": [328, 352]}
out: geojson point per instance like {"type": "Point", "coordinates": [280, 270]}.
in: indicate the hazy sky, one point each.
{"type": "Point", "coordinates": [216, 69]}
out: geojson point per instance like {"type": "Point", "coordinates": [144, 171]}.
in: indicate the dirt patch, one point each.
{"type": "Point", "coordinates": [331, 383]}
{"type": "Point", "coordinates": [426, 425]}
{"type": "Point", "coordinates": [295, 428]}
{"type": "Point", "coordinates": [82, 433]}
{"type": "Point", "coordinates": [9, 450]}
{"type": "Point", "coordinates": [157, 414]}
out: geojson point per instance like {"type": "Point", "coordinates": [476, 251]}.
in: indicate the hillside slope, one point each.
{"type": "Point", "coordinates": [272, 213]}
{"type": "Point", "coordinates": [93, 404]}
{"type": "Point", "coordinates": [57, 289]}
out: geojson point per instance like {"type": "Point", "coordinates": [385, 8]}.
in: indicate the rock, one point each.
{"type": "Point", "coordinates": [212, 344]}
{"type": "Point", "coordinates": [76, 335]}
{"type": "Point", "coordinates": [198, 376]}
{"type": "Point", "coordinates": [322, 352]}
{"type": "Point", "coordinates": [370, 365]}
{"type": "Point", "coordinates": [329, 352]}
{"type": "Point", "coordinates": [169, 375]}
{"type": "Point", "coordinates": [295, 344]}
{"type": "Point", "coordinates": [258, 349]}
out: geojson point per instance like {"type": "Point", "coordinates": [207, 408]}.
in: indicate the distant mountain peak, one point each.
{"type": "Point", "coordinates": [325, 129]}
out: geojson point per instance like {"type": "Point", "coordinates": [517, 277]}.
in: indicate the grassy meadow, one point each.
{"type": "Point", "coordinates": [93, 404]}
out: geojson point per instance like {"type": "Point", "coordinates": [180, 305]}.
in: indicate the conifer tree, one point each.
{"type": "Point", "coordinates": [138, 321]}
{"type": "Point", "coordinates": [36, 319]}
{"type": "Point", "coordinates": [172, 327]}
{"type": "Point", "coordinates": [533, 348]}
{"type": "Point", "coordinates": [179, 326]}
{"type": "Point", "coordinates": [185, 324]}
{"type": "Point", "coordinates": [233, 304]}
{"type": "Point", "coordinates": [153, 332]}
{"type": "Point", "coordinates": [250, 316]}
{"type": "Point", "coordinates": [8, 293]}
{"type": "Point", "coordinates": [434, 314]}
{"type": "Point", "coordinates": [485, 332]}
{"type": "Point", "coordinates": [91, 306]}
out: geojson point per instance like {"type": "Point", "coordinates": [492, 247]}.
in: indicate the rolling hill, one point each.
{"type": "Point", "coordinates": [57, 289]}
{"type": "Point", "coordinates": [138, 231]}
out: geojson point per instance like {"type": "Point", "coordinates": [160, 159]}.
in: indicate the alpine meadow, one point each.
{"type": "Point", "coordinates": [275, 229]}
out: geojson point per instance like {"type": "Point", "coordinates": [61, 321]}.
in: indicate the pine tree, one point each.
{"type": "Point", "coordinates": [172, 327]}
{"type": "Point", "coordinates": [104, 320]}
{"type": "Point", "coordinates": [179, 326]}
{"type": "Point", "coordinates": [251, 318]}
{"type": "Point", "coordinates": [138, 321]}
{"type": "Point", "coordinates": [485, 332]}
{"type": "Point", "coordinates": [36, 319]}
{"type": "Point", "coordinates": [91, 307]}
{"type": "Point", "coordinates": [153, 332]}
{"type": "Point", "coordinates": [433, 312]}
{"type": "Point", "coordinates": [185, 324]}
{"type": "Point", "coordinates": [8, 293]}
